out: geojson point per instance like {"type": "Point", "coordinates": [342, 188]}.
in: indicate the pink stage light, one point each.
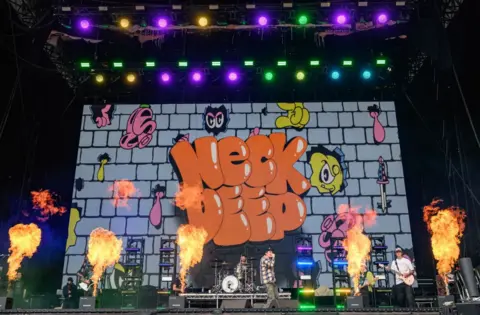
{"type": "Point", "coordinates": [196, 76]}
{"type": "Point", "coordinates": [262, 21]}
{"type": "Point", "coordinates": [341, 19]}
{"type": "Point", "coordinates": [232, 76]}
{"type": "Point", "coordinates": [85, 24]}
{"type": "Point", "coordinates": [382, 18]}
{"type": "Point", "coordinates": [165, 77]}
{"type": "Point", "coordinates": [162, 23]}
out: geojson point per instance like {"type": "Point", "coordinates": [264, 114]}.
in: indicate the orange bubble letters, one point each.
{"type": "Point", "coordinates": [251, 188]}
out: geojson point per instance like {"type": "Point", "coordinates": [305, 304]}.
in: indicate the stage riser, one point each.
{"type": "Point", "coordinates": [152, 312]}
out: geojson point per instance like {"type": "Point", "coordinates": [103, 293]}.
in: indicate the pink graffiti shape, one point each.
{"type": "Point", "coordinates": [185, 138]}
{"type": "Point", "coordinates": [378, 129]}
{"type": "Point", "coordinates": [140, 127]}
{"type": "Point", "coordinates": [104, 120]}
{"type": "Point", "coordinates": [255, 132]}
{"type": "Point", "coordinates": [156, 211]}
{"type": "Point", "coordinates": [334, 226]}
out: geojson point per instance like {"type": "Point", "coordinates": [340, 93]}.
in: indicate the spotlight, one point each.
{"type": "Point", "coordinates": [203, 21]}
{"type": "Point", "coordinates": [124, 23]}
{"type": "Point", "coordinates": [341, 19]}
{"type": "Point", "coordinates": [99, 78]}
{"type": "Point", "coordinates": [382, 18]}
{"type": "Point", "coordinates": [162, 22]}
{"type": "Point", "coordinates": [262, 21]}
{"type": "Point", "coordinates": [268, 76]}
{"type": "Point", "coordinates": [300, 75]}
{"type": "Point", "coordinates": [366, 75]}
{"type": "Point", "coordinates": [131, 78]}
{"type": "Point", "coordinates": [84, 24]}
{"type": "Point", "coordinates": [302, 20]}
{"type": "Point", "coordinates": [335, 75]}
{"type": "Point", "coordinates": [232, 76]}
{"type": "Point", "coordinates": [197, 76]}
{"type": "Point", "coordinates": [165, 77]}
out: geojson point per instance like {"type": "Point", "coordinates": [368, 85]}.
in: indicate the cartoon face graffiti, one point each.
{"type": "Point", "coordinates": [328, 169]}
{"type": "Point", "coordinates": [334, 226]}
{"type": "Point", "coordinates": [216, 119]}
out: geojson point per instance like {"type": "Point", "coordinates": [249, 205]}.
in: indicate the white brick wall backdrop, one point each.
{"type": "Point", "coordinates": [345, 125]}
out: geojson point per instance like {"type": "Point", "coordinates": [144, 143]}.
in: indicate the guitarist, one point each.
{"type": "Point", "coordinates": [84, 275]}
{"type": "Point", "coordinates": [403, 293]}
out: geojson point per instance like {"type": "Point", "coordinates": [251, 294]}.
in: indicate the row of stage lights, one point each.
{"type": "Point", "coordinates": [262, 21]}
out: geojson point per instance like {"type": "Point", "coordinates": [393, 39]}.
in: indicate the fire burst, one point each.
{"type": "Point", "coordinates": [24, 242]}
{"type": "Point", "coordinates": [446, 227]}
{"type": "Point", "coordinates": [189, 197]}
{"type": "Point", "coordinates": [104, 250]}
{"type": "Point", "coordinates": [45, 201]}
{"type": "Point", "coordinates": [123, 190]}
{"type": "Point", "coordinates": [190, 239]}
{"type": "Point", "coordinates": [357, 244]}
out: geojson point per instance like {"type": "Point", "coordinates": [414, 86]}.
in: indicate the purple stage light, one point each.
{"type": "Point", "coordinates": [196, 76]}
{"type": "Point", "coordinates": [341, 19]}
{"type": "Point", "coordinates": [84, 24]}
{"type": "Point", "coordinates": [165, 77]}
{"type": "Point", "coordinates": [382, 18]}
{"type": "Point", "coordinates": [162, 22]}
{"type": "Point", "coordinates": [232, 76]}
{"type": "Point", "coordinates": [262, 21]}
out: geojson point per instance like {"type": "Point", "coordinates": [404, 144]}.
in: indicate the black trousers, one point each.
{"type": "Point", "coordinates": [365, 296]}
{"type": "Point", "coordinates": [403, 295]}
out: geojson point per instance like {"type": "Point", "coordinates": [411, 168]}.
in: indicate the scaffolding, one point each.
{"type": "Point", "coordinates": [168, 263]}
{"type": "Point", "coordinates": [340, 277]}
{"type": "Point", "coordinates": [305, 265]}
{"type": "Point", "coordinates": [378, 262]}
{"type": "Point", "coordinates": [133, 262]}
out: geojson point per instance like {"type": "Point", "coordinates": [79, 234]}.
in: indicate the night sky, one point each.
{"type": "Point", "coordinates": [39, 140]}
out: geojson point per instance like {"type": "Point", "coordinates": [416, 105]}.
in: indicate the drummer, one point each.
{"type": "Point", "coordinates": [241, 267]}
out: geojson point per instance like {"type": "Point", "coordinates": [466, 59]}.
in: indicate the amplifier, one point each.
{"type": "Point", "coordinates": [354, 301]}
{"type": "Point", "coordinates": [87, 303]}
{"type": "Point", "coordinates": [445, 299]}
{"type": "Point", "coordinates": [468, 308]}
{"type": "Point", "coordinates": [6, 303]}
{"type": "Point", "coordinates": [176, 302]}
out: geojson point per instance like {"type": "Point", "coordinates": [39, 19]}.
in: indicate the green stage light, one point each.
{"type": "Point", "coordinates": [216, 63]}
{"type": "Point", "coordinates": [118, 64]}
{"type": "Point", "coordinates": [302, 19]}
{"type": "Point", "coordinates": [314, 63]}
{"type": "Point", "coordinates": [381, 62]}
{"type": "Point", "coordinates": [150, 64]}
{"type": "Point", "coordinates": [347, 63]}
{"type": "Point", "coordinates": [84, 64]}
{"type": "Point", "coordinates": [268, 75]}
{"type": "Point", "coordinates": [300, 75]}
{"type": "Point", "coordinates": [248, 63]}
{"type": "Point", "coordinates": [281, 63]}
{"type": "Point", "coordinates": [183, 64]}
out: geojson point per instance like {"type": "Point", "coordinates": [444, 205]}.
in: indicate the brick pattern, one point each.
{"type": "Point", "coordinates": [335, 124]}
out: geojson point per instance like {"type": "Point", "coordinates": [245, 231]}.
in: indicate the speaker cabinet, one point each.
{"type": "Point", "coordinates": [234, 304]}
{"type": "Point", "coordinates": [6, 303]}
{"type": "Point", "coordinates": [445, 299]}
{"type": "Point", "coordinates": [176, 302]}
{"type": "Point", "coordinates": [87, 303]}
{"type": "Point", "coordinates": [354, 302]}
{"type": "Point", "coordinates": [468, 308]}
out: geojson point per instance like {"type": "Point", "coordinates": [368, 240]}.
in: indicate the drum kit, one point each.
{"type": "Point", "coordinates": [238, 280]}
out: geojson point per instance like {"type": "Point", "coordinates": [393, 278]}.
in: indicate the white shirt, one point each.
{"type": "Point", "coordinates": [404, 266]}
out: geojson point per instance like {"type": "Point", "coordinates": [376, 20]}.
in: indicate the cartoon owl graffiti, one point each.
{"type": "Point", "coordinates": [215, 120]}
{"type": "Point", "coordinates": [329, 170]}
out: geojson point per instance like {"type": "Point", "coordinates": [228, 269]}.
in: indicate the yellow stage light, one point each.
{"type": "Point", "coordinates": [131, 78]}
{"type": "Point", "coordinates": [99, 78]}
{"type": "Point", "coordinates": [124, 23]}
{"type": "Point", "coordinates": [203, 21]}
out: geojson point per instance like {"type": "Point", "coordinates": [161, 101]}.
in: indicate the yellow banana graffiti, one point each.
{"type": "Point", "coordinates": [103, 159]}
{"type": "Point", "coordinates": [297, 116]}
{"type": "Point", "coordinates": [74, 218]}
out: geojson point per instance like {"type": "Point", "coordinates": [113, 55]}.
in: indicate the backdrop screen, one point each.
{"type": "Point", "coordinates": [270, 172]}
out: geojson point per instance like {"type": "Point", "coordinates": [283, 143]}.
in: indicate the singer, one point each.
{"type": "Point", "coordinates": [267, 272]}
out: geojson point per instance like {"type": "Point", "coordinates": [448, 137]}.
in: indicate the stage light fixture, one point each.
{"type": "Point", "coordinates": [300, 75]}
{"type": "Point", "coordinates": [381, 62]}
{"type": "Point", "coordinates": [202, 21]}
{"type": "Point", "coordinates": [262, 21]}
{"type": "Point", "coordinates": [366, 74]}
{"type": "Point", "coordinates": [84, 64]}
{"type": "Point", "coordinates": [216, 63]}
{"type": "Point", "coordinates": [302, 19]}
{"type": "Point", "coordinates": [314, 63]}
{"type": "Point", "coordinates": [196, 76]}
{"type": "Point", "coordinates": [341, 19]}
{"type": "Point", "coordinates": [131, 78]}
{"type": "Point", "coordinates": [232, 76]}
{"type": "Point", "coordinates": [281, 63]}
{"type": "Point", "coordinates": [118, 64]}
{"type": "Point", "coordinates": [382, 18]}
{"type": "Point", "coordinates": [335, 75]}
{"type": "Point", "coordinates": [99, 78]}
{"type": "Point", "coordinates": [183, 64]}
{"type": "Point", "coordinates": [347, 63]}
{"type": "Point", "coordinates": [124, 23]}
{"type": "Point", "coordinates": [84, 24]}
{"type": "Point", "coordinates": [162, 22]}
{"type": "Point", "coordinates": [150, 64]}
{"type": "Point", "coordinates": [248, 63]}
{"type": "Point", "coordinates": [268, 75]}
{"type": "Point", "coordinates": [165, 77]}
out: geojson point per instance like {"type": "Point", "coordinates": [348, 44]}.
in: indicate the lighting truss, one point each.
{"type": "Point", "coordinates": [73, 78]}
{"type": "Point", "coordinates": [24, 11]}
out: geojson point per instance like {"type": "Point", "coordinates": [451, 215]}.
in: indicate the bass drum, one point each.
{"type": "Point", "coordinates": [230, 284]}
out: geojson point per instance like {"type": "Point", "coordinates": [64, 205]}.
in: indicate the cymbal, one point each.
{"type": "Point", "coordinates": [224, 263]}
{"type": "Point", "coordinates": [252, 258]}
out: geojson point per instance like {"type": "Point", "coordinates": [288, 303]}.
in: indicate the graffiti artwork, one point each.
{"type": "Point", "coordinates": [329, 170]}
{"type": "Point", "coordinates": [383, 181]}
{"type": "Point", "coordinates": [155, 215]}
{"type": "Point", "coordinates": [102, 159]}
{"type": "Point", "coordinates": [215, 120]}
{"type": "Point", "coordinates": [378, 129]}
{"type": "Point", "coordinates": [334, 226]}
{"type": "Point", "coordinates": [249, 187]}
{"type": "Point", "coordinates": [140, 127]}
{"type": "Point", "coordinates": [75, 211]}
{"type": "Point", "coordinates": [102, 115]}
{"type": "Point", "coordinates": [297, 116]}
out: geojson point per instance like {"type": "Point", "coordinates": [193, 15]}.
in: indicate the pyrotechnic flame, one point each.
{"type": "Point", "coordinates": [357, 244]}
{"type": "Point", "coordinates": [446, 227]}
{"type": "Point", "coordinates": [45, 201]}
{"type": "Point", "coordinates": [104, 250]}
{"type": "Point", "coordinates": [24, 241]}
{"type": "Point", "coordinates": [189, 197]}
{"type": "Point", "coordinates": [190, 239]}
{"type": "Point", "coordinates": [123, 190]}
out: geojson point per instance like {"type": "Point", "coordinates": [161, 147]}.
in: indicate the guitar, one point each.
{"type": "Point", "coordinates": [85, 287]}
{"type": "Point", "coordinates": [407, 280]}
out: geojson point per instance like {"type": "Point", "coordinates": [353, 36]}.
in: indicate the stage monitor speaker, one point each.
{"type": "Point", "coordinates": [288, 304]}
{"type": "Point", "coordinates": [445, 299]}
{"type": "Point", "coordinates": [354, 301]}
{"type": "Point", "coordinates": [176, 302]}
{"type": "Point", "coordinates": [471, 308]}
{"type": "Point", "coordinates": [466, 268]}
{"type": "Point", "coordinates": [87, 303]}
{"type": "Point", "coordinates": [6, 303]}
{"type": "Point", "coordinates": [234, 304]}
